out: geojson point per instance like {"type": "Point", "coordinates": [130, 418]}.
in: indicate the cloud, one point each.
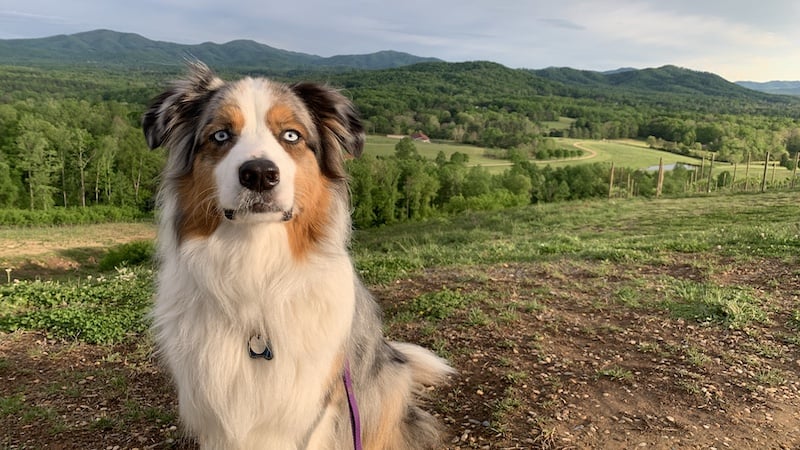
{"type": "Point", "coordinates": [733, 37]}
{"type": "Point", "coordinates": [562, 23]}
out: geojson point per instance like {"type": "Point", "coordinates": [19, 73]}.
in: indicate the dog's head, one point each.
{"type": "Point", "coordinates": [253, 150]}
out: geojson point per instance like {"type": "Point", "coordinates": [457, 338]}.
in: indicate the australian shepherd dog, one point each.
{"type": "Point", "coordinates": [268, 332]}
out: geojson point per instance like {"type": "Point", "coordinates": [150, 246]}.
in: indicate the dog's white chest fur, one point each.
{"type": "Point", "coordinates": [213, 295]}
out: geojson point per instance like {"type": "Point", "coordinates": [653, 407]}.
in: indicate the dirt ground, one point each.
{"type": "Point", "coordinates": [559, 355]}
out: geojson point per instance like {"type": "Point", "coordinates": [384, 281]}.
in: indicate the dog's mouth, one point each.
{"type": "Point", "coordinates": [259, 209]}
{"type": "Point", "coordinates": [235, 214]}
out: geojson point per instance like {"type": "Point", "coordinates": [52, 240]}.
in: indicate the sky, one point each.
{"type": "Point", "coordinates": [736, 39]}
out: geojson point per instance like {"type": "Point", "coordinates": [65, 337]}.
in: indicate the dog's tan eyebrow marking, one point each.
{"type": "Point", "coordinates": [281, 117]}
{"type": "Point", "coordinates": [231, 117]}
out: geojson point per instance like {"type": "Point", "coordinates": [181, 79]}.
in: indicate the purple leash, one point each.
{"type": "Point", "coordinates": [355, 419]}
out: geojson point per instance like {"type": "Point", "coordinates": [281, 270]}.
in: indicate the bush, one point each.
{"type": "Point", "coordinates": [69, 216]}
{"type": "Point", "coordinates": [708, 303]}
{"type": "Point", "coordinates": [96, 310]}
{"type": "Point", "coordinates": [131, 254]}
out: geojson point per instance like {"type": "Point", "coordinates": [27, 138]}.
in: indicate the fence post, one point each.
{"type": "Point", "coordinates": [702, 171]}
{"type": "Point", "coordinates": [611, 181]}
{"type": "Point", "coordinates": [772, 179]}
{"type": "Point", "coordinates": [747, 174]}
{"type": "Point", "coordinates": [764, 176]}
{"type": "Point", "coordinates": [710, 166]}
{"type": "Point", "coordinates": [660, 182]}
{"type": "Point", "coordinates": [794, 171]}
{"type": "Point", "coordinates": [629, 185]}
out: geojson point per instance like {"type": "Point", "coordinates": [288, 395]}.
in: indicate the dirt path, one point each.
{"type": "Point", "coordinates": [42, 253]}
{"type": "Point", "coordinates": [20, 243]}
{"type": "Point", "coordinates": [590, 153]}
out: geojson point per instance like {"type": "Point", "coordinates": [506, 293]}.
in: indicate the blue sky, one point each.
{"type": "Point", "coordinates": [737, 39]}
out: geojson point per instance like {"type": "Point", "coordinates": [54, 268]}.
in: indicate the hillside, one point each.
{"type": "Point", "coordinates": [666, 79]}
{"type": "Point", "coordinates": [589, 325]}
{"type": "Point", "coordinates": [773, 87]}
{"type": "Point", "coordinates": [672, 86]}
{"type": "Point", "coordinates": [110, 48]}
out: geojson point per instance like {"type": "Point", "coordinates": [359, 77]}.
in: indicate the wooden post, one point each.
{"type": "Point", "coordinates": [764, 176]}
{"type": "Point", "coordinates": [733, 181]}
{"type": "Point", "coordinates": [611, 181]}
{"type": "Point", "coordinates": [747, 174]}
{"type": "Point", "coordinates": [794, 171]}
{"type": "Point", "coordinates": [660, 182]}
{"type": "Point", "coordinates": [710, 166]}
{"type": "Point", "coordinates": [702, 170]}
{"type": "Point", "coordinates": [629, 185]}
{"type": "Point", "coordinates": [772, 180]}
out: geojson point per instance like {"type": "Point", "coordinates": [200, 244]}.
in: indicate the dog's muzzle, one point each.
{"type": "Point", "coordinates": [258, 177]}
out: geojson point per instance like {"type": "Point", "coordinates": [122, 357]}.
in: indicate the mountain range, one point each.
{"type": "Point", "coordinates": [111, 48]}
{"type": "Point", "coordinates": [773, 87]}
{"type": "Point", "coordinates": [105, 48]}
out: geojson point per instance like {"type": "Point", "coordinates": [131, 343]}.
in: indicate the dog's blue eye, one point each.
{"type": "Point", "coordinates": [290, 136]}
{"type": "Point", "coordinates": [221, 136]}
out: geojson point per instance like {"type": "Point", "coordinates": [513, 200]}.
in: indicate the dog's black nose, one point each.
{"type": "Point", "coordinates": [259, 175]}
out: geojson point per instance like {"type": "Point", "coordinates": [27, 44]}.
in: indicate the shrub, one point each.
{"type": "Point", "coordinates": [96, 310]}
{"type": "Point", "coordinates": [69, 216]}
{"type": "Point", "coordinates": [707, 303]}
{"type": "Point", "coordinates": [130, 254]}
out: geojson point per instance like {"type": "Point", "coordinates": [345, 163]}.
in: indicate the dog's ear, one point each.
{"type": "Point", "coordinates": [338, 126]}
{"type": "Point", "coordinates": [170, 119]}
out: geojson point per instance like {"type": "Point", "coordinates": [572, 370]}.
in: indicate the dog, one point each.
{"type": "Point", "coordinates": [259, 316]}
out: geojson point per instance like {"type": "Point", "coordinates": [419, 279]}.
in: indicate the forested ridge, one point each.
{"type": "Point", "coordinates": [70, 135]}
{"type": "Point", "coordinates": [111, 49]}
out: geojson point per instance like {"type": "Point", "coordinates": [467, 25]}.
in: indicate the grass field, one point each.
{"type": "Point", "coordinates": [636, 154]}
{"type": "Point", "coordinates": [623, 153]}
{"type": "Point", "coordinates": [627, 153]}
{"type": "Point", "coordinates": [670, 323]}
{"type": "Point", "coordinates": [384, 146]}
{"type": "Point", "coordinates": [563, 123]}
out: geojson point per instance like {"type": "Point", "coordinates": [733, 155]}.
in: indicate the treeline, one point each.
{"type": "Point", "coordinates": [71, 137]}
{"type": "Point", "coordinates": [69, 152]}
{"type": "Point", "coordinates": [406, 186]}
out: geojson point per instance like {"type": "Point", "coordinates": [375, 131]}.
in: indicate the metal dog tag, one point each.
{"type": "Point", "coordinates": [258, 347]}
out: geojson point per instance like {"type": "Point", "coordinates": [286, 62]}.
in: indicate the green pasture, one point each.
{"type": "Point", "coordinates": [384, 146]}
{"type": "Point", "coordinates": [739, 226]}
{"type": "Point", "coordinates": [636, 154]}
{"type": "Point", "coordinates": [563, 123]}
{"type": "Point", "coordinates": [624, 153]}
{"type": "Point", "coordinates": [628, 153]}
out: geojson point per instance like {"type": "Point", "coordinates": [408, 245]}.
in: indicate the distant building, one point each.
{"type": "Point", "coordinates": [420, 137]}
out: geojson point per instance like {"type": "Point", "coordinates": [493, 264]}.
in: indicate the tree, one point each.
{"type": "Point", "coordinates": [405, 149]}
{"type": "Point", "coordinates": [8, 188]}
{"type": "Point", "coordinates": [73, 147]}
{"type": "Point", "coordinates": [103, 168]}
{"type": "Point", "coordinates": [793, 141]}
{"type": "Point", "coordinates": [38, 160]}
